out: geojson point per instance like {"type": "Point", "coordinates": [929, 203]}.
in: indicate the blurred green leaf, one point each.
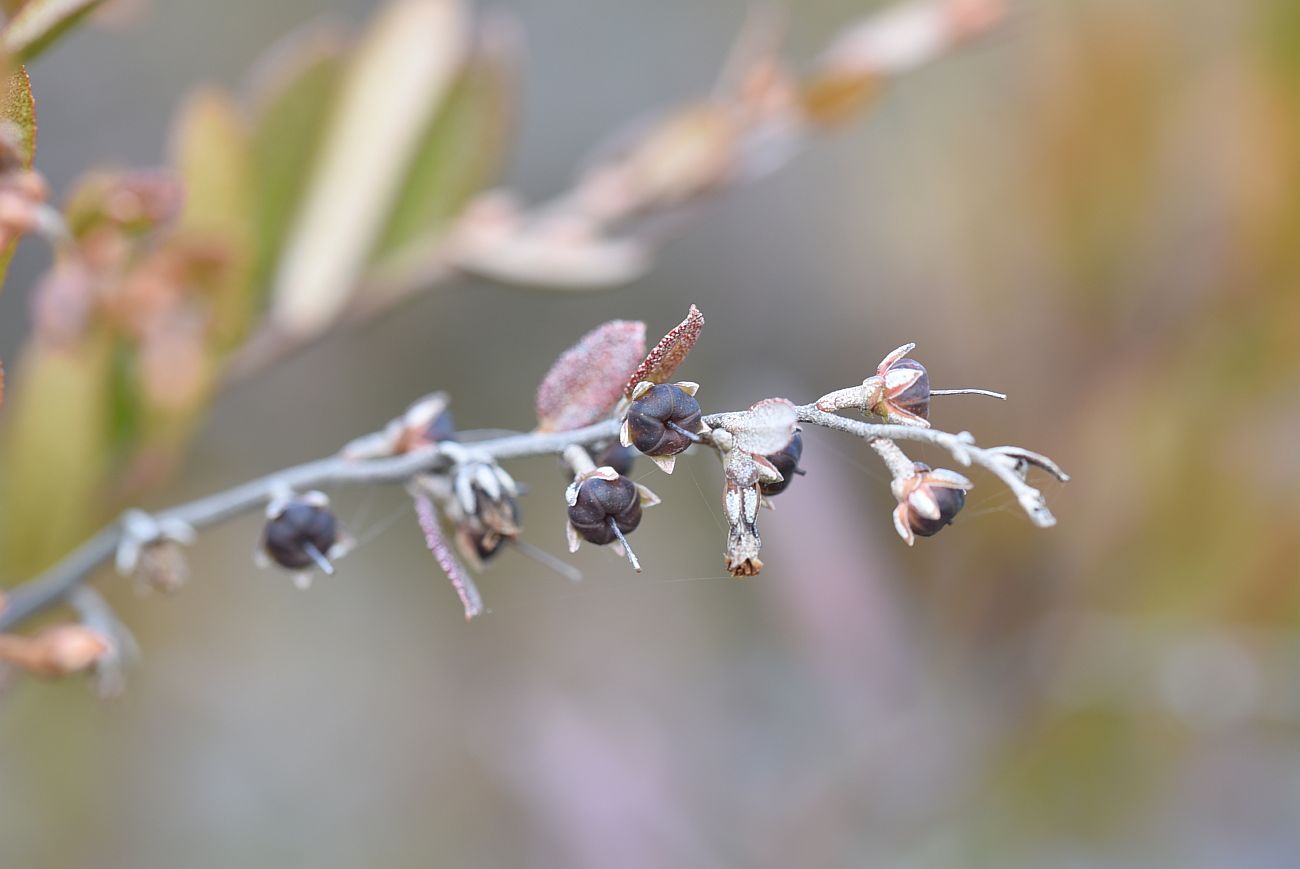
{"type": "Point", "coordinates": [213, 154]}
{"type": "Point", "coordinates": [460, 153]}
{"type": "Point", "coordinates": [19, 117]}
{"type": "Point", "coordinates": [39, 23]}
{"type": "Point", "coordinates": [55, 452]}
{"type": "Point", "coordinates": [395, 82]}
{"type": "Point", "coordinates": [289, 124]}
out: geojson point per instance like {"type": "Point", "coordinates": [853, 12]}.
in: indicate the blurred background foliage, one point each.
{"type": "Point", "coordinates": [1097, 210]}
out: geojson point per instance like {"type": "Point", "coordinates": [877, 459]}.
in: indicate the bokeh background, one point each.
{"type": "Point", "coordinates": [1096, 210]}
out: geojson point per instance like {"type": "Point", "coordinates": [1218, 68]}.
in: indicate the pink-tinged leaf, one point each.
{"type": "Point", "coordinates": [587, 380]}
{"type": "Point", "coordinates": [663, 360]}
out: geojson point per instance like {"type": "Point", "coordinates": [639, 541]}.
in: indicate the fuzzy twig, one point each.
{"type": "Point", "coordinates": [1009, 464]}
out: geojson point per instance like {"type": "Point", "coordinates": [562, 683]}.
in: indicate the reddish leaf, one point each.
{"type": "Point", "coordinates": [586, 381]}
{"type": "Point", "coordinates": [663, 360]}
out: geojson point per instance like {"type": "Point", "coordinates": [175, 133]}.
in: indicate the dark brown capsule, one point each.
{"type": "Point", "coordinates": [787, 462]}
{"type": "Point", "coordinates": [618, 457]}
{"type": "Point", "coordinates": [662, 422]}
{"type": "Point", "coordinates": [950, 503]}
{"type": "Point", "coordinates": [298, 526]}
{"type": "Point", "coordinates": [916, 398]}
{"type": "Point", "coordinates": [601, 500]}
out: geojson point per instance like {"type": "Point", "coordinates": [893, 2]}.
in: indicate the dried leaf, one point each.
{"type": "Point", "coordinates": [527, 256]}
{"type": "Point", "coordinates": [662, 362]}
{"type": "Point", "coordinates": [39, 23]}
{"type": "Point", "coordinates": [586, 381]}
{"type": "Point", "coordinates": [55, 453]}
{"type": "Point", "coordinates": [395, 82]}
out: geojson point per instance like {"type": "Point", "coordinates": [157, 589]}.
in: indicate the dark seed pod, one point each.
{"type": "Point", "coordinates": [950, 503]}
{"type": "Point", "coordinates": [787, 462]}
{"type": "Point", "coordinates": [301, 524]}
{"type": "Point", "coordinates": [654, 419]}
{"type": "Point", "coordinates": [916, 398]}
{"type": "Point", "coordinates": [599, 501]}
{"type": "Point", "coordinates": [618, 457]}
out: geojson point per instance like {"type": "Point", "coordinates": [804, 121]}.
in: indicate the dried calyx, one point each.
{"type": "Point", "coordinates": [899, 392]}
{"type": "Point", "coordinates": [484, 509]}
{"type": "Point", "coordinates": [426, 422]}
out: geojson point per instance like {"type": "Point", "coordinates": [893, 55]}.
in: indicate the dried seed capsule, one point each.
{"type": "Point", "coordinates": [914, 399]}
{"type": "Point", "coordinates": [787, 462]}
{"type": "Point", "coordinates": [663, 420]}
{"type": "Point", "coordinates": [483, 540]}
{"type": "Point", "coordinates": [928, 501]}
{"type": "Point", "coordinates": [598, 502]}
{"type": "Point", "coordinates": [618, 457]}
{"type": "Point", "coordinates": [950, 503]}
{"type": "Point", "coordinates": [483, 544]}
{"type": "Point", "coordinates": [301, 534]}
